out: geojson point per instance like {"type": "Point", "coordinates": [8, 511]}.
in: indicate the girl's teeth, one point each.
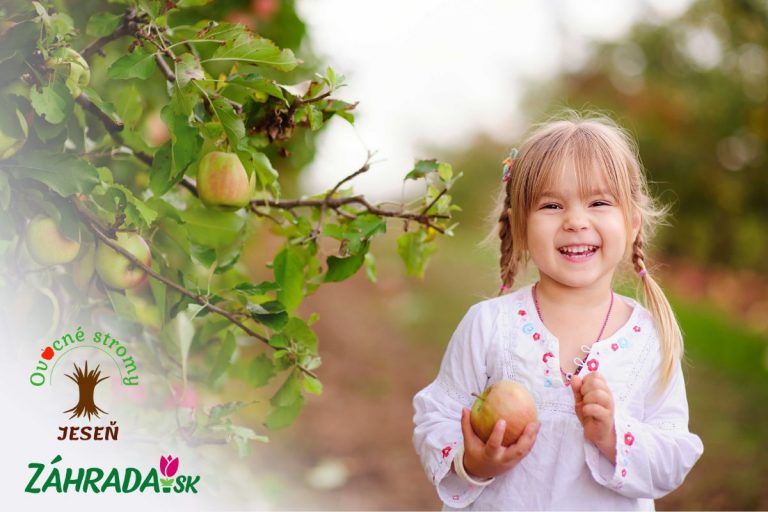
{"type": "Point", "coordinates": [582, 249]}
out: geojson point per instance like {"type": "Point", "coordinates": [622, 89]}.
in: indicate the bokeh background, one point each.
{"type": "Point", "coordinates": [462, 81]}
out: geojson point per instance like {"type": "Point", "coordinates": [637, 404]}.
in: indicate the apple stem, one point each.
{"type": "Point", "coordinates": [478, 396]}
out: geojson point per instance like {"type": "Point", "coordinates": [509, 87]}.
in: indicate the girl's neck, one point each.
{"type": "Point", "coordinates": [565, 297]}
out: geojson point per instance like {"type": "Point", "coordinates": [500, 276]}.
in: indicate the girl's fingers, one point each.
{"type": "Point", "coordinates": [466, 427]}
{"type": "Point", "coordinates": [600, 397]}
{"type": "Point", "coordinates": [497, 435]}
{"type": "Point", "coordinates": [523, 445]}
{"type": "Point", "coordinates": [596, 411]}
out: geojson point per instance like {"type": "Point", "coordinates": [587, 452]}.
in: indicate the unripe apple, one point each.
{"type": "Point", "coordinates": [83, 268]}
{"type": "Point", "coordinates": [78, 74]}
{"type": "Point", "coordinates": [503, 400]}
{"type": "Point", "coordinates": [10, 143]}
{"type": "Point", "coordinates": [222, 180]}
{"type": "Point", "coordinates": [47, 245]}
{"type": "Point", "coordinates": [116, 270]}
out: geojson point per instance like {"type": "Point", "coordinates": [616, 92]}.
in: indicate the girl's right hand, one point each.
{"type": "Point", "coordinates": [486, 460]}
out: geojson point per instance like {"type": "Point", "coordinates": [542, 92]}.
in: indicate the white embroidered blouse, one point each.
{"type": "Point", "coordinates": [503, 338]}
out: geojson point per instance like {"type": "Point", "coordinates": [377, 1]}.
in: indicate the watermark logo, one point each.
{"type": "Point", "coordinates": [62, 347]}
{"type": "Point", "coordinates": [118, 480]}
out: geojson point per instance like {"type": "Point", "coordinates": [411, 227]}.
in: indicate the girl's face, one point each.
{"type": "Point", "coordinates": [578, 241]}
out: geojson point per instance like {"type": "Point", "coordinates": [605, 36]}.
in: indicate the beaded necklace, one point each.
{"type": "Point", "coordinates": [568, 376]}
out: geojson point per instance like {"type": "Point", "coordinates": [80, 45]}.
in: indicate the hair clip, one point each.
{"type": "Point", "coordinates": [642, 273]}
{"type": "Point", "coordinates": [508, 163]}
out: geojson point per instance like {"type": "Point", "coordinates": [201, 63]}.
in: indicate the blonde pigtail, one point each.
{"type": "Point", "coordinates": [670, 335]}
{"type": "Point", "coordinates": [507, 261]}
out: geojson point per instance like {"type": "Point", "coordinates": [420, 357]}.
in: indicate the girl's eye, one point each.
{"type": "Point", "coordinates": [550, 206]}
{"type": "Point", "coordinates": [601, 203]}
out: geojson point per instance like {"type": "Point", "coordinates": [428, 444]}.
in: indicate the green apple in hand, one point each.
{"type": "Point", "coordinates": [503, 400]}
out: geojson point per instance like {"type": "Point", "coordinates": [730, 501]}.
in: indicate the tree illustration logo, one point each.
{"type": "Point", "coordinates": [86, 384]}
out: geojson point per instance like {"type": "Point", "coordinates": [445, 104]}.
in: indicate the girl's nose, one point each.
{"type": "Point", "coordinates": [575, 220]}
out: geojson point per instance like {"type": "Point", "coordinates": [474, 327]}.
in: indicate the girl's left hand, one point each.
{"type": "Point", "coordinates": [594, 408]}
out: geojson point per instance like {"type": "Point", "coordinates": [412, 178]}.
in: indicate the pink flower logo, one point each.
{"type": "Point", "coordinates": [169, 466]}
{"type": "Point", "coordinates": [536, 336]}
{"type": "Point", "coordinates": [636, 328]}
{"type": "Point", "coordinates": [592, 365]}
{"type": "Point", "coordinates": [521, 312]}
{"type": "Point", "coordinates": [629, 439]}
{"type": "Point", "coordinates": [446, 451]}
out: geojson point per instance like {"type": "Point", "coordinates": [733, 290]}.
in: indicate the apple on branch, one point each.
{"type": "Point", "coordinates": [116, 270]}
{"type": "Point", "coordinates": [223, 181]}
{"type": "Point", "coordinates": [47, 245]}
{"type": "Point", "coordinates": [503, 400]}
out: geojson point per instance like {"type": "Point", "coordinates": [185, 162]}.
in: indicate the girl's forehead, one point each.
{"type": "Point", "coordinates": [570, 179]}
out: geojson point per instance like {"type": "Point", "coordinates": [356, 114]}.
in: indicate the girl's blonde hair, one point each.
{"type": "Point", "coordinates": [590, 141]}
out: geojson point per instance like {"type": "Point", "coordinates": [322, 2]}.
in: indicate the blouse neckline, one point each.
{"type": "Point", "coordinates": [531, 306]}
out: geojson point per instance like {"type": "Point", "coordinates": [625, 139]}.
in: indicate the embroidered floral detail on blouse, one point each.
{"type": "Point", "coordinates": [547, 383]}
{"type": "Point", "coordinates": [614, 346]}
{"type": "Point", "coordinates": [528, 328]}
{"type": "Point", "coordinates": [546, 356]}
{"type": "Point", "coordinates": [629, 439]}
{"type": "Point", "coordinates": [446, 451]}
{"type": "Point", "coordinates": [624, 472]}
{"type": "Point", "coordinates": [536, 336]}
{"type": "Point", "coordinates": [636, 328]}
{"type": "Point", "coordinates": [623, 342]}
{"type": "Point", "coordinates": [455, 497]}
{"type": "Point", "coordinates": [521, 312]}
{"type": "Point", "coordinates": [592, 365]}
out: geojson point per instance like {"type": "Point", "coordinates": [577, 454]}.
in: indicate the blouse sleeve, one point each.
{"type": "Point", "coordinates": [437, 433]}
{"type": "Point", "coordinates": [653, 455]}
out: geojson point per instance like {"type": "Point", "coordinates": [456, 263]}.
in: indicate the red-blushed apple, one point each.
{"type": "Point", "coordinates": [47, 245]}
{"type": "Point", "coordinates": [155, 131]}
{"type": "Point", "coordinates": [116, 270]}
{"type": "Point", "coordinates": [503, 400]}
{"type": "Point", "coordinates": [223, 181]}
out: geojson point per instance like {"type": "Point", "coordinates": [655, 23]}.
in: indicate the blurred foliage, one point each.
{"type": "Point", "coordinates": [693, 91]}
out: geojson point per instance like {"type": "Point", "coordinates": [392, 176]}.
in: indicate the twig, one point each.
{"type": "Point", "coordinates": [112, 124]}
{"type": "Point", "coordinates": [96, 227]}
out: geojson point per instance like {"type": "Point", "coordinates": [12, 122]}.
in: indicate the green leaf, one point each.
{"type": "Point", "coordinates": [160, 180]}
{"type": "Point", "coordinates": [249, 289]}
{"type": "Point", "coordinates": [298, 330]}
{"type": "Point", "coordinates": [63, 173]}
{"type": "Point", "coordinates": [185, 141]}
{"type": "Point", "coordinates": [281, 417]}
{"type": "Point", "coordinates": [288, 268]}
{"type": "Point", "coordinates": [102, 24]}
{"type": "Point", "coordinates": [289, 392]}
{"type": "Point", "coordinates": [414, 252]}
{"type": "Point", "coordinates": [260, 371]}
{"type": "Point", "coordinates": [340, 269]}
{"type": "Point", "coordinates": [188, 68]}
{"type": "Point", "coordinates": [224, 357]}
{"type": "Point", "coordinates": [138, 64]}
{"type": "Point", "coordinates": [272, 314]}
{"type": "Point", "coordinates": [52, 102]}
{"type": "Point", "coordinates": [232, 123]}
{"type": "Point", "coordinates": [213, 228]}
{"type": "Point", "coordinates": [255, 50]}
{"type": "Point", "coordinates": [422, 168]}
{"type": "Point", "coordinates": [221, 410]}
{"type": "Point", "coordinates": [312, 385]}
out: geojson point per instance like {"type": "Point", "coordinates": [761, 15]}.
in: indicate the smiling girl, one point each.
{"type": "Point", "coordinates": [604, 370]}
